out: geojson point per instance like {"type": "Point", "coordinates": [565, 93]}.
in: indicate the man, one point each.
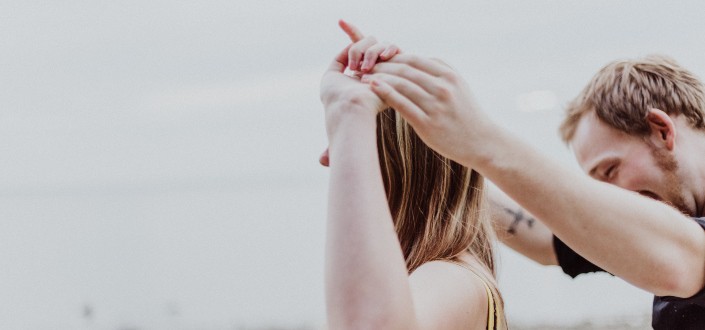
{"type": "Point", "coordinates": [638, 125]}
{"type": "Point", "coordinates": [618, 142]}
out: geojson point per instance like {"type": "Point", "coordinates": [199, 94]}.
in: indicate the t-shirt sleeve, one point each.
{"type": "Point", "coordinates": [572, 263]}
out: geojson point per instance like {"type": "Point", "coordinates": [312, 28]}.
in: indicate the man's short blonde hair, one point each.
{"type": "Point", "coordinates": [622, 93]}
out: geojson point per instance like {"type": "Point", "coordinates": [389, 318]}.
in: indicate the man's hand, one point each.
{"type": "Point", "coordinates": [437, 103]}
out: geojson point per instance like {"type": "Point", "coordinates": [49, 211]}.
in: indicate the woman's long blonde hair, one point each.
{"type": "Point", "coordinates": [438, 206]}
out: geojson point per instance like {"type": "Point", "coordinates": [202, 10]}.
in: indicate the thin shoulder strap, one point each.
{"type": "Point", "coordinates": [491, 306]}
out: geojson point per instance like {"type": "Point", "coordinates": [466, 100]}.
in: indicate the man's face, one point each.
{"type": "Point", "coordinates": [627, 161]}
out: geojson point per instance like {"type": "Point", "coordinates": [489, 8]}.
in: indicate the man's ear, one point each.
{"type": "Point", "coordinates": [663, 130]}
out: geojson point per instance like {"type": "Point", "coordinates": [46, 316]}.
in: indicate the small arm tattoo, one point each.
{"type": "Point", "coordinates": [518, 218]}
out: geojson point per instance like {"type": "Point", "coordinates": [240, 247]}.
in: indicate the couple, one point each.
{"type": "Point", "coordinates": [409, 236]}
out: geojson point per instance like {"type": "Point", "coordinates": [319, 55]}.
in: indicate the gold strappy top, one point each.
{"type": "Point", "coordinates": [491, 304]}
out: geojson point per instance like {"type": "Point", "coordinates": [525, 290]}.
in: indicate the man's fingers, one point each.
{"type": "Point", "coordinates": [406, 88]}
{"type": "Point", "coordinates": [441, 62]}
{"type": "Point", "coordinates": [352, 32]}
{"type": "Point", "coordinates": [426, 81]}
{"type": "Point", "coordinates": [433, 67]}
{"type": "Point", "coordinates": [396, 100]}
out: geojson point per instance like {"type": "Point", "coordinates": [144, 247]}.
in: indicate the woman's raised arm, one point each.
{"type": "Point", "coordinates": [367, 282]}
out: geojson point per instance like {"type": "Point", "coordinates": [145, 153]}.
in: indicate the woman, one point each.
{"type": "Point", "coordinates": [409, 240]}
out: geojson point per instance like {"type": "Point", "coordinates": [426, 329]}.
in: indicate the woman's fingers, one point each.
{"type": "Point", "coordinates": [352, 31]}
{"type": "Point", "coordinates": [381, 51]}
{"type": "Point", "coordinates": [357, 51]}
{"type": "Point", "coordinates": [340, 61]}
{"type": "Point", "coordinates": [366, 50]}
{"type": "Point", "coordinates": [371, 56]}
{"type": "Point", "coordinates": [389, 52]}
{"type": "Point", "coordinates": [359, 44]}
{"type": "Point", "coordinates": [399, 102]}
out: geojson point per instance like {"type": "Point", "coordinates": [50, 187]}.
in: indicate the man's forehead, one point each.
{"type": "Point", "coordinates": [584, 136]}
{"type": "Point", "coordinates": [592, 138]}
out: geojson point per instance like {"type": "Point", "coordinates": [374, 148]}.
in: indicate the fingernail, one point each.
{"type": "Point", "coordinates": [365, 66]}
{"type": "Point", "coordinates": [374, 83]}
{"type": "Point", "coordinates": [385, 53]}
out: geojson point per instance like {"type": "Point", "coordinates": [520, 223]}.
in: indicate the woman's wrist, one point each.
{"type": "Point", "coordinates": [345, 113]}
{"type": "Point", "coordinates": [352, 103]}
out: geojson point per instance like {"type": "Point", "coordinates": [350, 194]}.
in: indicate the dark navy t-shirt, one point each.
{"type": "Point", "coordinates": [668, 312]}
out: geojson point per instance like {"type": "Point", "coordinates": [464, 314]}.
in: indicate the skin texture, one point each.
{"type": "Point", "coordinates": [367, 284]}
{"type": "Point", "coordinates": [660, 249]}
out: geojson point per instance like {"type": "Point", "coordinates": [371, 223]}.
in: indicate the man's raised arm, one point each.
{"type": "Point", "coordinates": [645, 242]}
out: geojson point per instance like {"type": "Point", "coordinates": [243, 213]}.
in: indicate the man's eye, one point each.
{"type": "Point", "coordinates": [610, 171]}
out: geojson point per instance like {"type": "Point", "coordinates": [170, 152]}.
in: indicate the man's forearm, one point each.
{"type": "Point", "coordinates": [659, 249]}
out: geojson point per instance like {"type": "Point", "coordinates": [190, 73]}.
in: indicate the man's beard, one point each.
{"type": "Point", "coordinates": [674, 186]}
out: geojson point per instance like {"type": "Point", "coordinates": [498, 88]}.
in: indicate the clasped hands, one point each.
{"type": "Point", "coordinates": [429, 94]}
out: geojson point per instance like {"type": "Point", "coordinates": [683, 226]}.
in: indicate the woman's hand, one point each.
{"type": "Point", "coordinates": [339, 90]}
{"type": "Point", "coordinates": [342, 94]}
{"type": "Point", "coordinates": [366, 51]}
{"type": "Point", "coordinates": [359, 57]}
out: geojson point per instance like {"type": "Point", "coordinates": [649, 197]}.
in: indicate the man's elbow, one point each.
{"type": "Point", "coordinates": [545, 255]}
{"type": "Point", "coordinates": [548, 259]}
{"type": "Point", "coordinates": [681, 282]}
{"type": "Point", "coordinates": [681, 270]}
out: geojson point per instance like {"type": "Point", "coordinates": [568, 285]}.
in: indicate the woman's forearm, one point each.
{"type": "Point", "coordinates": [366, 277]}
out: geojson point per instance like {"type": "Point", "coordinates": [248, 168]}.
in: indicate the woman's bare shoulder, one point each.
{"type": "Point", "coordinates": [447, 295]}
